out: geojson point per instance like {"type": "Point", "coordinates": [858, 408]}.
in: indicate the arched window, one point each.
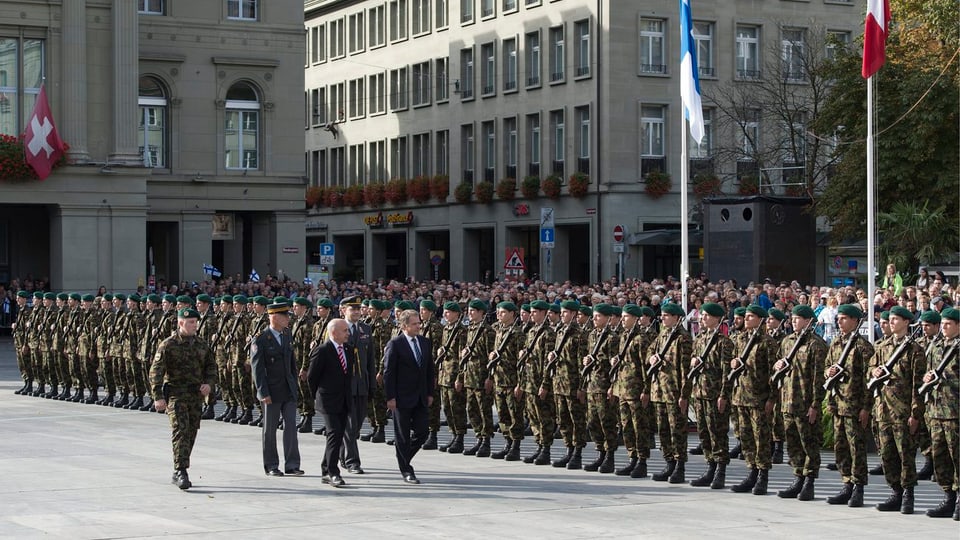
{"type": "Point", "coordinates": [242, 128]}
{"type": "Point", "coordinates": [152, 133]}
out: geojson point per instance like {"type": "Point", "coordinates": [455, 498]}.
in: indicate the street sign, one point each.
{"type": "Point", "coordinates": [618, 247]}
{"type": "Point", "coordinates": [547, 237]}
{"type": "Point", "coordinates": [514, 261]}
{"type": "Point", "coordinates": [618, 233]}
{"type": "Point", "coordinates": [548, 234]}
{"type": "Point", "coordinates": [327, 255]}
{"type": "Point", "coordinates": [546, 218]}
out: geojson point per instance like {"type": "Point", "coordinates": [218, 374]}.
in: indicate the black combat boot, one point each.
{"type": "Point", "coordinates": [147, 404]}
{"type": "Point", "coordinates": [484, 450]}
{"type": "Point", "coordinates": [697, 450]}
{"type": "Point", "coordinates": [877, 471]}
{"type": "Point", "coordinates": [842, 496]}
{"type": "Point", "coordinates": [322, 430]}
{"type": "Point", "coordinates": [502, 453]}
{"type": "Point", "coordinates": [64, 394]}
{"type": "Point", "coordinates": [720, 478]}
{"type": "Point", "coordinates": [679, 473]}
{"type": "Point", "coordinates": [258, 421]}
{"type": "Point", "coordinates": [734, 452]}
{"type": "Point", "coordinates": [707, 477]}
{"type": "Point", "coordinates": [28, 390]}
{"type": "Point", "coordinates": [562, 462]}
{"type": "Point", "coordinates": [223, 414]}
{"type": "Point", "coordinates": [947, 506]}
{"type": "Point", "coordinates": [231, 414]}
{"type": "Point", "coordinates": [181, 479]}
{"type": "Point", "coordinates": [447, 446]}
{"type": "Point", "coordinates": [926, 472]}
{"type": "Point", "coordinates": [456, 445]}
{"type": "Point", "coordinates": [640, 471]}
{"type": "Point", "coordinates": [533, 457]}
{"type": "Point", "coordinates": [792, 491]}
{"type": "Point", "coordinates": [594, 465]}
{"type": "Point", "coordinates": [306, 426]}
{"type": "Point", "coordinates": [761, 486]}
{"type": "Point", "coordinates": [122, 402]}
{"type": "Point", "coordinates": [51, 393]}
{"type": "Point", "coordinates": [544, 457]}
{"type": "Point", "coordinates": [40, 390]}
{"type": "Point", "coordinates": [893, 502]}
{"type": "Point", "coordinates": [379, 435]}
{"type": "Point", "coordinates": [78, 396]}
{"type": "Point", "coordinates": [609, 463]}
{"type": "Point", "coordinates": [244, 418]}
{"type": "Point", "coordinates": [20, 390]}
{"type": "Point", "coordinates": [776, 456]}
{"type": "Point", "coordinates": [664, 474]}
{"type": "Point", "coordinates": [514, 453]}
{"type": "Point", "coordinates": [856, 498]}
{"type": "Point", "coordinates": [92, 398]}
{"type": "Point", "coordinates": [906, 505]}
{"type": "Point", "coordinates": [628, 468]}
{"type": "Point", "coordinates": [806, 493]}
{"type": "Point", "coordinates": [576, 460]}
{"type": "Point", "coordinates": [472, 451]}
{"type": "Point", "coordinates": [431, 442]}
{"type": "Point", "coordinates": [208, 412]}
{"type": "Point", "coordinates": [747, 483]}
{"type": "Point", "coordinates": [367, 436]}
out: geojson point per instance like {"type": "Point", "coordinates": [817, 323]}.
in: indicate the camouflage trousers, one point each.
{"type": "Point", "coordinates": [713, 427]}
{"type": "Point", "coordinates": [24, 364]}
{"type": "Point", "coordinates": [108, 374]}
{"type": "Point", "coordinates": [306, 403]}
{"type": "Point", "coordinates": [36, 366]}
{"type": "Point", "coordinates": [377, 407]}
{"type": "Point", "coordinates": [543, 417]}
{"type": "Point", "coordinates": [433, 413]}
{"type": "Point", "coordinates": [898, 452]}
{"type": "Point", "coordinates": [572, 418]}
{"type": "Point", "coordinates": [77, 369]}
{"type": "Point", "coordinates": [144, 375]}
{"type": "Point", "coordinates": [923, 438]}
{"type": "Point", "coordinates": [803, 441]}
{"type": "Point", "coordinates": [636, 428]}
{"type": "Point", "coordinates": [243, 386]}
{"type": "Point", "coordinates": [754, 436]}
{"type": "Point", "coordinates": [225, 380]}
{"type": "Point", "coordinates": [672, 427]}
{"type": "Point", "coordinates": [509, 412]}
{"type": "Point", "coordinates": [51, 361]}
{"type": "Point", "coordinates": [850, 447]}
{"type": "Point", "coordinates": [454, 409]}
{"type": "Point", "coordinates": [121, 379]}
{"type": "Point", "coordinates": [480, 411]}
{"type": "Point", "coordinates": [64, 373]}
{"type": "Point", "coordinates": [136, 379]}
{"type": "Point", "coordinates": [602, 421]}
{"type": "Point", "coordinates": [779, 426]}
{"type": "Point", "coordinates": [90, 367]}
{"type": "Point", "coordinates": [945, 435]}
{"type": "Point", "coordinates": [184, 415]}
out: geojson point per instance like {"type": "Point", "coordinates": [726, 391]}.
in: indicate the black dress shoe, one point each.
{"type": "Point", "coordinates": [320, 431]}
{"type": "Point", "coordinates": [355, 470]}
{"type": "Point", "coordinates": [336, 481]}
{"type": "Point", "coordinates": [294, 472]}
{"type": "Point", "coordinates": [410, 478]}
{"type": "Point", "coordinates": [274, 472]}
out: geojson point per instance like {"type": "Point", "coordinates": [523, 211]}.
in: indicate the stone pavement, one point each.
{"type": "Point", "coordinates": [84, 471]}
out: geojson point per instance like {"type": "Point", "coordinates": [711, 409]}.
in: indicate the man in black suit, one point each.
{"type": "Point", "coordinates": [275, 378]}
{"type": "Point", "coordinates": [362, 382]}
{"type": "Point", "coordinates": [331, 363]}
{"type": "Point", "coordinates": [408, 384]}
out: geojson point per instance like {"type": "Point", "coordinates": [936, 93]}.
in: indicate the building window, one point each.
{"type": "Point", "coordinates": [442, 152]}
{"type": "Point", "coordinates": [421, 155]}
{"type": "Point", "coordinates": [583, 139]}
{"type": "Point", "coordinates": [338, 105]}
{"type": "Point", "coordinates": [22, 65]}
{"type": "Point", "coordinates": [509, 64]}
{"type": "Point", "coordinates": [488, 75]}
{"type": "Point", "coordinates": [581, 33]}
{"type": "Point", "coordinates": [558, 142]}
{"type": "Point", "coordinates": [398, 157]}
{"type": "Point", "coordinates": [338, 166]}
{"type": "Point", "coordinates": [357, 27]}
{"type": "Point", "coordinates": [242, 129]}
{"type": "Point", "coordinates": [318, 44]}
{"type": "Point", "coordinates": [466, 11]}
{"type": "Point", "coordinates": [509, 6]}
{"type": "Point", "coordinates": [557, 56]}
{"type": "Point", "coordinates": [792, 54]}
{"type": "Point", "coordinates": [651, 139]}
{"type": "Point", "coordinates": [532, 3]}
{"type": "Point", "coordinates": [357, 167]}
{"type": "Point", "coordinates": [242, 10]}
{"type": "Point", "coordinates": [703, 150]}
{"type": "Point", "coordinates": [533, 144]}
{"type": "Point", "coordinates": [836, 41]}
{"type": "Point", "coordinates": [749, 135]}
{"type": "Point", "coordinates": [748, 50]}
{"type": "Point", "coordinates": [398, 89]}
{"type": "Point", "coordinates": [533, 58]}
{"type": "Point", "coordinates": [468, 151]}
{"type": "Point", "coordinates": [441, 17]}
{"type": "Point", "coordinates": [318, 106]}
{"type": "Point", "coordinates": [489, 132]}
{"type": "Point", "coordinates": [703, 34]}
{"type": "Point", "coordinates": [357, 100]}
{"type": "Point", "coordinates": [510, 146]}
{"type": "Point", "coordinates": [421, 16]}
{"type": "Point", "coordinates": [421, 84]}
{"type": "Point", "coordinates": [378, 93]}
{"type": "Point", "coordinates": [150, 7]}
{"type": "Point", "coordinates": [337, 31]}
{"type": "Point", "coordinates": [378, 26]}
{"type": "Point", "coordinates": [398, 20]}
{"type": "Point", "coordinates": [443, 78]}
{"type": "Point", "coordinates": [318, 173]}
{"type": "Point", "coordinates": [152, 133]}
{"type": "Point", "coordinates": [487, 8]}
{"type": "Point", "coordinates": [652, 46]}
{"type": "Point", "coordinates": [466, 74]}
{"type": "Point", "coordinates": [378, 161]}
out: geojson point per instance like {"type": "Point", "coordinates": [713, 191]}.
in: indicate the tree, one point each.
{"type": "Point", "coordinates": [914, 234]}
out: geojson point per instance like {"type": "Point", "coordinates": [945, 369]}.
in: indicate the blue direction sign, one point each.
{"type": "Point", "coordinates": [547, 237]}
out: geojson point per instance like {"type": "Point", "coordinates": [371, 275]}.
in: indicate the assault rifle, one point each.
{"type": "Point", "coordinates": [469, 349]}
{"type": "Point", "coordinates": [875, 383]}
{"type": "Point", "coordinates": [551, 367]}
{"type": "Point", "coordinates": [592, 357]}
{"type": "Point", "coordinates": [832, 382]}
{"type": "Point", "coordinates": [697, 369]}
{"type": "Point", "coordinates": [618, 359]}
{"type": "Point", "coordinates": [934, 383]}
{"type": "Point", "coordinates": [737, 371]}
{"type": "Point", "coordinates": [499, 350]}
{"type": "Point", "coordinates": [457, 327]}
{"type": "Point", "coordinates": [526, 351]}
{"type": "Point", "coordinates": [781, 373]}
{"type": "Point", "coordinates": [655, 368]}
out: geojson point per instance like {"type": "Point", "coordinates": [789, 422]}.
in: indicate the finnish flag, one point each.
{"type": "Point", "coordinates": [254, 276]}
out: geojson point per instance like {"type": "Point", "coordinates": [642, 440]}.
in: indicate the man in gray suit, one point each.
{"type": "Point", "coordinates": [275, 377]}
{"type": "Point", "coordinates": [361, 381]}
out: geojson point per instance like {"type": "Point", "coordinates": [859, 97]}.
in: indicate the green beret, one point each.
{"type": "Point", "coordinates": [134, 297]}
{"type": "Point", "coordinates": [633, 309]}
{"type": "Point", "coordinates": [712, 308]}
{"type": "Point", "coordinates": [901, 312]}
{"type": "Point", "coordinates": [672, 309]}
{"type": "Point", "coordinates": [403, 305]}
{"type": "Point", "coordinates": [777, 314]}
{"type": "Point", "coordinates": [303, 301]}
{"type": "Point", "coordinates": [757, 310]}
{"type": "Point", "coordinates": [554, 308]}
{"type": "Point", "coordinates": [525, 307]}
{"type": "Point", "coordinates": [603, 309]}
{"type": "Point", "coordinates": [108, 297]}
{"type": "Point", "coordinates": [204, 298]}
{"type": "Point", "coordinates": [617, 311]}
{"type": "Point", "coordinates": [38, 295]}
{"type": "Point", "coordinates": [451, 306]}
{"type": "Point", "coordinates": [365, 302]}
{"type": "Point", "coordinates": [930, 316]}
{"type": "Point", "coordinates": [240, 299]}
{"type": "Point", "coordinates": [569, 305]}
{"type": "Point", "coordinates": [804, 311]}
{"type": "Point", "coordinates": [50, 296]}
{"type": "Point", "coordinates": [325, 303]}
{"type": "Point", "coordinates": [850, 310]}
{"type": "Point", "coordinates": [477, 304]}
{"type": "Point", "coordinates": [428, 305]}
{"type": "Point", "coordinates": [170, 298]}
{"type": "Point", "coordinates": [262, 300]}
{"type": "Point", "coordinates": [184, 299]}
{"type": "Point", "coordinates": [282, 300]}
{"type": "Point", "coordinates": [540, 305]}
{"type": "Point", "coordinates": [951, 313]}
{"type": "Point", "coordinates": [885, 315]}
{"type": "Point", "coordinates": [87, 298]}
{"type": "Point", "coordinates": [188, 313]}
{"type": "Point", "coordinates": [379, 305]}
{"type": "Point", "coordinates": [120, 296]}
{"type": "Point", "coordinates": [648, 311]}
{"type": "Point", "coordinates": [23, 294]}
{"type": "Point", "coordinates": [509, 306]}
{"type": "Point", "coordinates": [75, 297]}
{"type": "Point", "coordinates": [62, 296]}
{"type": "Point", "coordinates": [226, 299]}
{"type": "Point", "coordinates": [739, 311]}
{"type": "Point", "coordinates": [586, 310]}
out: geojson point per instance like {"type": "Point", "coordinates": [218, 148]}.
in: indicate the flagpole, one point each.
{"type": "Point", "coordinates": [871, 210]}
{"type": "Point", "coordinates": [684, 217]}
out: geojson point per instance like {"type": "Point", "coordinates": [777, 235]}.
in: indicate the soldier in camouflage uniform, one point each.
{"type": "Point", "coordinates": [899, 409]}
{"type": "Point", "coordinates": [68, 344]}
{"type": "Point", "coordinates": [44, 331]}
{"type": "Point", "coordinates": [670, 396]}
{"type": "Point", "coordinates": [627, 384]}
{"type": "Point", "coordinates": [709, 368]}
{"type": "Point", "coordinates": [104, 331]}
{"type": "Point", "coordinates": [594, 384]}
{"type": "Point", "coordinates": [928, 341]}
{"type": "Point", "coordinates": [535, 385]}
{"type": "Point", "coordinates": [126, 346]}
{"type": "Point", "coordinates": [563, 370]}
{"type": "Point", "coordinates": [20, 345]}
{"type": "Point", "coordinates": [301, 334]}
{"type": "Point", "coordinates": [382, 330]}
{"type": "Point", "coordinates": [223, 353]}
{"type": "Point", "coordinates": [553, 316]}
{"type": "Point", "coordinates": [148, 339]}
{"type": "Point", "coordinates": [432, 330]}
{"type": "Point", "coordinates": [114, 342]}
{"type": "Point", "coordinates": [943, 379]}
{"type": "Point", "coordinates": [736, 327]}
{"type": "Point", "coordinates": [752, 398]}
{"type": "Point", "coordinates": [475, 378]}
{"type": "Point", "coordinates": [87, 323]}
{"type": "Point", "coordinates": [777, 333]}
{"type": "Point", "coordinates": [208, 330]}
{"type": "Point", "coordinates": [850, 403]}
{"type": "Point", "coordinates": [258, 322]}
{"type": "Point", "coordinates": [182, 373]}
{"type": "Point", "coordinates": [502, 365]}
{"type": "Point", "coordinates": [33, 330]}
{"type": "Point", "coordinates": [59, 329]}
{"type": "Point", "coordinates": [801, 394]}
{"type": "Point", "coordinates": [448, 368]}
{"type": "Point", "coordinates": [243, 314]}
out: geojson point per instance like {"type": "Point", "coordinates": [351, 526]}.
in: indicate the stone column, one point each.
{"type": "Point", "coordinates": [73, 95]}
{"type": "Point", "coordinates": [196, 243]}
{"type": "Point", "coordinates": [126, 80]}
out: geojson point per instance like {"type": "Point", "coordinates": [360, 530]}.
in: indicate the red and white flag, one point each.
{"type": "Point", "coordinates": [875, 36]}
{"type": "Point", "coordinates": [42, 145]}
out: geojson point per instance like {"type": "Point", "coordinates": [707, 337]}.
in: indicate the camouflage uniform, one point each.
{"type": "Point", "coordinates": [300, 330]}
{"type": "Point", "coordinates": [20, 345]}
{"type": "Point", "coordinates": [802, 391]}
{"type": "Point", "coordinates": [129, 342]}
{"type": "Point", "coordinates": [104, 334]}
{"type": "Point", "coordinates": [473, 375]}
{"type": "Point", "coordinates": [778, 425]}
{"type": "Point", "coordinates": [88, 321]}
{"type": "Point", "coordinates": [508, 340]}
{"type": "Point", "coordinates": [712, 425]}
{"type": "Point", "coordinates": [627, 384]}
{"type": "Point", "coordinates": [381, 332]}
{"type": "Point", "coordinates": [749, 395]}
{"type": "Point", "coordinates": [601, 414]}
{"type": "Point", "coordinates": [433, 331]}
{"type": "Point", "coordinates": [149, 338]}
{"type": "Point", "coordinates": [208, 330]}
{"type": "Point", "coordinates": [565, 375]}
{"type": "Point", "coordinates": [34, 331]}
{"type": "Point", "coordinates": [44, 333]}
{"type": "Point", "coordinates": [942, 415]}
{"type": "Point", "coordinates": [58, 328]}
{"type": "Point", "coordinates": [223, 353]}
{"type": "Point", "coordinates": [845, 401]}
{"type": "Point", "coordinates": [667, 387]}
{"type": "Point", "coordinates": [540, 340]}
{"type": "Point", "coordinates": [454, 403]}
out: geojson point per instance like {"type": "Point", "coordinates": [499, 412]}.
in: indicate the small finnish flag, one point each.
{"type": "Point", "coordinates": [254, 276]}
{"type": "Point", "coordinates": [307, 281]}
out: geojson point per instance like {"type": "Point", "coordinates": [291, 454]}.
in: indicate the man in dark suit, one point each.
{"type": "Point", "coordinates": [408, 384]}
{"type": "Point", "coordinates": [331, 363]}
{"type": "Point", "coordinates": [275, 377]}
{"type": "Point", "coordinates": [362, 381]}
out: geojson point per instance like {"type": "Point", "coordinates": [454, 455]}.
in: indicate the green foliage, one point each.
{"type": "Point", "coordinates": [914, 234]}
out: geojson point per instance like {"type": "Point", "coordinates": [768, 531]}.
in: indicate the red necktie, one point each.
{"type": "Point", "coordinates": [343, 359]}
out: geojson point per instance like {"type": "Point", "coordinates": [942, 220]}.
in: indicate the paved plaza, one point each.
{"type": "Point", "coordinates": [85, 471]}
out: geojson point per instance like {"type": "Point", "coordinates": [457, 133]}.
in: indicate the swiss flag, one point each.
{"type": "Point", "coordinates": [42, 145]}
{"type": "Point", "coordinates": [875, 36]}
